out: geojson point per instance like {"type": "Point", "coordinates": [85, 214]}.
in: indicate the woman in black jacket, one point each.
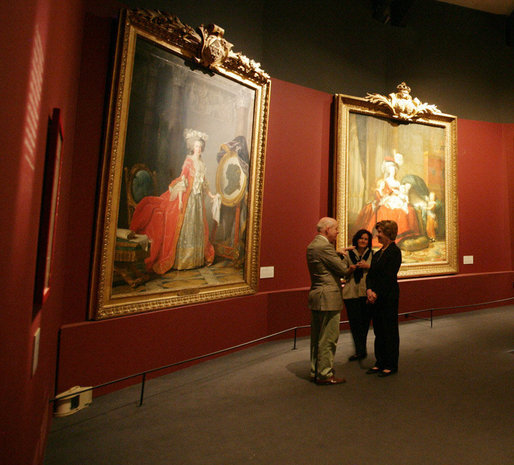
{"type": "Point", "coordinates": [383, 293]}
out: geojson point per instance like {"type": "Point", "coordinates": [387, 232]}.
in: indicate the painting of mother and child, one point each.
{"type": "Point", "coordinates": [396, 172]}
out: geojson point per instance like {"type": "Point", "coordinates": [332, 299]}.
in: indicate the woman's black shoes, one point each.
{"type": "Point", "coordinates": [373, 371]}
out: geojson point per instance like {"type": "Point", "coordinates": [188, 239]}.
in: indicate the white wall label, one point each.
{"type": "Point", "coordinates": [267, 272]}
{"type": "Point", "coordinates": [467, 259]}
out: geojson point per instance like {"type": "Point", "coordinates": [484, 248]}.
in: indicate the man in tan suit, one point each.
{"type": "Point", "coordinates": [325, 301]}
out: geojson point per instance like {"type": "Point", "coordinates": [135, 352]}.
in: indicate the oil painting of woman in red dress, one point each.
{"type": "Point", "coordinates": [176, 222]}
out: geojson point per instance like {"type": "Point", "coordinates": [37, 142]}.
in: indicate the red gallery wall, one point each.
{"type": "Point", "coordinates": [508, 147]}
{"type": "Point", "coordinates": [39, 64]}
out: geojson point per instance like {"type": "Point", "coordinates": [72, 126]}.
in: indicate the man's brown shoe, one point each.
{"type": "Point", "coordinates": [332, 380]}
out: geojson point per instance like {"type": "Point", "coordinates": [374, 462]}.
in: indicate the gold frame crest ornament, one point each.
{"type": "Point", "coordinates": [402, 106]}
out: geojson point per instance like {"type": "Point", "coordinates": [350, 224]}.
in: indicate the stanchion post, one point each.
{"type": "Point", "coordinates": [142, 389]}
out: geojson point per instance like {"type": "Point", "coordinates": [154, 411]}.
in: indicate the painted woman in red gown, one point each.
{"type": "Point", "coordinates": [175, 222]}
{"type": "Point", "coordinates": [391, 202]}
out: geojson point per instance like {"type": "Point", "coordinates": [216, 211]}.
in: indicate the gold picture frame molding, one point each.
{"type": "Point", "coordinates": [204, 48]}
{"type": "Point", "coordinates": [396, 110]}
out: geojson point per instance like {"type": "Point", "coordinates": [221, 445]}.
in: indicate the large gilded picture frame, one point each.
{"type": "Point", "coordinates": [180, 206]}
{"type": "Point", "coordinates": [395, 158]}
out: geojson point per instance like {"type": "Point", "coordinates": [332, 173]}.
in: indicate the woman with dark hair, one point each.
{"type": "Point", "coordinates": [383, 294]}
{"type": "Point", "coordinates": [357, 263]}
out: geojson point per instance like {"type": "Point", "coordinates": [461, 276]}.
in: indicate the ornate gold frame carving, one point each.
{"type": "Point", "coordinates": [158, 56]}
{"type": "Point", "coordinates": [396, 158]}
{"type": "Point", "coordinates": [402, 106]}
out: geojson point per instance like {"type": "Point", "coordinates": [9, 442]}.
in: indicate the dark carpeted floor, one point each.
{"type": "Point", "coordinates": [450, 403]}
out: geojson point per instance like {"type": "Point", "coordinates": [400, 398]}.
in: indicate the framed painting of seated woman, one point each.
{"type": "Point", "coordinates": [395, 159]}
{"type": "Point", "coordinates": [181, 192]}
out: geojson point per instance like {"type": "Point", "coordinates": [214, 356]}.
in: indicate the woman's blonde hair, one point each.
{"type": "Point", "coordinates": [389, 228]}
